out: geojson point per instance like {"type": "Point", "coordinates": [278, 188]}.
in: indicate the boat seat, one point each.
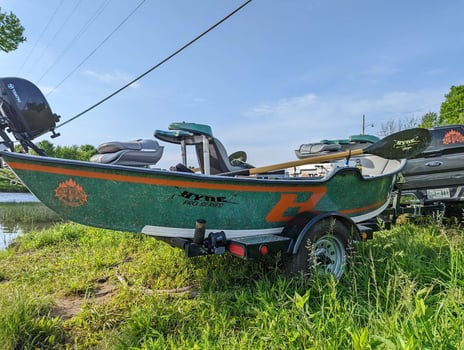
{"type": "Point", "coordinates": [313, 149]}
{"type": "Point", "coordinates": [142, 152]}
{"type": "Point", "coordinates": [184, 133]}
{"type": "Point", "coordinates": [219, 161]}
{"type": "Point", "coordinates": [134, 145]}
{"type": "Point", "coordinates": [193, 128]}
{"type": "Point", "coordinates": [177, 137]}
{"type": "Point", "coordinates": [326, 146]}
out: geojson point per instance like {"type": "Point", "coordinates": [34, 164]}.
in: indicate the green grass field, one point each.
{"type": "Point", "coordinates": [74, 287]}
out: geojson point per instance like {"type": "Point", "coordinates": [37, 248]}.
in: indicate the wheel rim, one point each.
{"type": "Point", "coordinates": [329, 256]}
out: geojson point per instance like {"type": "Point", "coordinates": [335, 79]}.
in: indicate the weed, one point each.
{"type": "Point", "coordinates": [403, 289]}
{"type": "Point", "coordinates": [25, 322]}
{"type": "Point", "coordinates": [27, 213]}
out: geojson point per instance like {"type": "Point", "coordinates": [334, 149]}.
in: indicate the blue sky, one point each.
{"type": "Point", "coordinates": [275, 75]}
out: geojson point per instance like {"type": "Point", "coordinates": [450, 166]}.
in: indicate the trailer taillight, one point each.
{"type": "Point", "coordinates": [263, 249]}
{"type": "Point", "coordinates": [254, 247]}
{"type": "Point", "coordinates": [237, 249]}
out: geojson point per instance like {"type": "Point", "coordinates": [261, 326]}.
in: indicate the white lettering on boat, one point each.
{"type": "Point", "coordinates": [11, 87]}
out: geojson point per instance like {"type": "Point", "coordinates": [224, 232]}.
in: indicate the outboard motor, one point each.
{"type": "Point", "coordinates": [25, 113]}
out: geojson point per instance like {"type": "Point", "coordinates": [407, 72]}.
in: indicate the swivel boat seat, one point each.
{"type": "Point", "coordinates": [141, 153]}
{"type": "Point", "coordinates": [211, 154]}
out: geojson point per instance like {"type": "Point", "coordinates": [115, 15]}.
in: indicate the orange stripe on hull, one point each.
{"type": "Point", "coordinates": [163, 182]}
{"type": "Point", "coordinates": [366, 208]}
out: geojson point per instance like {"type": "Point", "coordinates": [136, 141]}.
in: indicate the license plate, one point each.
{"type": "Point", "coordinates": [438, 193]}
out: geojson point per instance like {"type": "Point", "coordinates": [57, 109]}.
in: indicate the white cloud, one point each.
{"type": "Point", "coordinates": [284, 106]}
{"type": "Point", "coordinates": [380, 70]}
{"type": "Point", "coordinates": [273, 130]}
{"type": "Point", "coordinates": [109, 78]}
{"type": "Point", "coordinates": [47, 89]}
{"type": "Point", "coordinates": [191, 98]}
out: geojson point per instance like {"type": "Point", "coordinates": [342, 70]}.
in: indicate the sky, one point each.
{"type": "Point", "coordinates": [273, 76]}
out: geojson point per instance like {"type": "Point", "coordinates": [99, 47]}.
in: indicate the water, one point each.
{"type": "Point", "coordinates": [14, 197]}
{"type": "Point", "coordinates": [8, 233]}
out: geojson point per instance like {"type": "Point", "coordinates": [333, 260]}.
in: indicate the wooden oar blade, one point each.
{"type": "Point", "coordinates": [401, 145]}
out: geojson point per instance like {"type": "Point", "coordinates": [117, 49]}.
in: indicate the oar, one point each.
{"type": "Point", "coordinates": [401, 145]}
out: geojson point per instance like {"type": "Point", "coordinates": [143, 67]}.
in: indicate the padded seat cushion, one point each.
{"type": "Point", "coordinates": [319, 147]}
{"type": "Point", "coordinates": [136, 145]}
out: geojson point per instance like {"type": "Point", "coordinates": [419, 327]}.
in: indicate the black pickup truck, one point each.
{"type": "Point", "coordinates": [437, 174]}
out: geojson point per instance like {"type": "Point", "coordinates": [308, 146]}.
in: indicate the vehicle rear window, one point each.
{"type": "Point", "coordinates": [447, 138]}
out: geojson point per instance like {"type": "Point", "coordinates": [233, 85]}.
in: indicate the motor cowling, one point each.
{"type": "Point", "coordinates": [24, 111]}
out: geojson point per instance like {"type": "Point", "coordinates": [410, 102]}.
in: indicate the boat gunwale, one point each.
{"type": "Point", "coordinates": [196, 176]}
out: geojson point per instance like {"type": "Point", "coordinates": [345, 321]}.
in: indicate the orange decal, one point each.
{"type": "Point", "coordinates": [453, 136]}
{"type": "Point", "coordinates": [287, 201]}
{"type": "Point", "coordinates": [70, 193]}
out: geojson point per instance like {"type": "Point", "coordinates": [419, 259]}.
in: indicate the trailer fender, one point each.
{"type": "Point", "coordinates": [321, 243]}
{"type": "Point", "coordinates": [297, 228]}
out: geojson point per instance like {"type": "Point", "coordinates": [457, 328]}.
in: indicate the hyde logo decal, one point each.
{"type": "Point", "coordinates": [199, 200]}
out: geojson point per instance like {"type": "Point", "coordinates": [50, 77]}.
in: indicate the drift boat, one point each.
{"type": "Point", "coordinates": [245, 210]}
{"type": "Point", "coordinates": [167, 204]}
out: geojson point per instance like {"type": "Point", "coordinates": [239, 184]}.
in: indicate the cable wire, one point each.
{"type": "Point", "coordinates": [84, 28]}
{"type": "Point", "coordinates": [57, 32]}
{"type": "Point", "coordinates": [41, 35]}
{"type": "Point", "coordinates": [96, 49]}
{"type": "Point", "coordinates": [158, 64]}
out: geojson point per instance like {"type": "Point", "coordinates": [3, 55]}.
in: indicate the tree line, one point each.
{"type": "Point", "coordinates": [82, 152]}
{"type": "Point", "coordinates": [451, 112]}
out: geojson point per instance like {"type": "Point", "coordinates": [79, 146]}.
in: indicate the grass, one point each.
{"type": "Point", "coordinates": [9, 182]}
{"type": "Point", "coordinates": [74, 287]}
{"type": "Point", "coordinates": [26, 213]}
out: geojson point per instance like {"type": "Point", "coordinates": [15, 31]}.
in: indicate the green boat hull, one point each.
{"type": "Point", "coordinates": [167, 204]}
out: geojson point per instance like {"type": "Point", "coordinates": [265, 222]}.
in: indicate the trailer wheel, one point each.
{"type": "Point", "coordinates": [324, 249]}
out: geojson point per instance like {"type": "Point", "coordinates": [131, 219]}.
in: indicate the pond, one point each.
{"type": "Point", "coordinates": [9, 231]}
{"type": "Point", "coordinates": [16, 197]}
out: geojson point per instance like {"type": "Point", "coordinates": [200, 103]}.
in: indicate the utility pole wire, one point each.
{"type": "Point", "coordinates": [159, 64]}
{"type": "Point", "coordinates": [95, 50]}
{"type": "Point", "coordinates": [83, 29]}
{"type": "Point", "coordinates": [57, 32]}
{"type": "Point", "coordinates": [41, 35]}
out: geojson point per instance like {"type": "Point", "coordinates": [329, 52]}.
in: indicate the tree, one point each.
{"type": "Point", "coordinates": [83, 152]}
{"type": "Point", "coordinates": [393, 126]}
{"type": "Point", "coordinates": [11, 32]}
{"type": "Point", "coordinates": [47, 147]}
{"type": "Point", "coordinates": [452, 109]}
{"type": "Point", "coordinates": [430, 120]}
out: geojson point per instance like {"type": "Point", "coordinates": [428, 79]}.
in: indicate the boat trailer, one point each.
{"type": "Point", "coordinates": [319, 241]}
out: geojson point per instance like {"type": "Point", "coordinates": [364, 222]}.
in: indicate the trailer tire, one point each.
{"type": "Point", "coordinates": [325, 248]}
